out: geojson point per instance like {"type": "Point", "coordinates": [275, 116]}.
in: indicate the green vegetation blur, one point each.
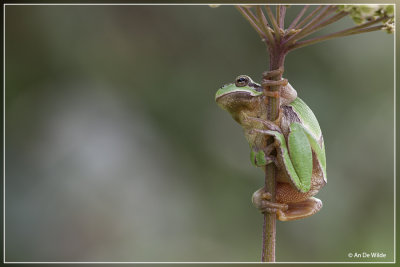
{"type": "Point", "coordinates": [116, 150]}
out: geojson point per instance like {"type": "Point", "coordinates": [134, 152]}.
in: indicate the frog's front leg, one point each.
{"type": "Point", "coordinates": [262, 157]}
{"type": "Point", "coordinates": [285, 212]}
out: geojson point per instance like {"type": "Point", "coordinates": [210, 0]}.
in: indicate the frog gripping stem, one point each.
{"type": "Point", "coordinates": [271, 84]}
{"type": "Point", "coordinates": [267, 82]}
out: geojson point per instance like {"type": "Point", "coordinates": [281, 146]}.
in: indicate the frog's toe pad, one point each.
{"type": "Point", "coordinates": [300, 210]}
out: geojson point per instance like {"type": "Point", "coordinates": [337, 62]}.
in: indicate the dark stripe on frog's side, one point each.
{"type": "Point", "coordinates": [289, 113]}
{"type": "Point", "coordinates": [288, 117]}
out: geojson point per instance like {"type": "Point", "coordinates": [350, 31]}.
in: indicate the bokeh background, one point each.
{"type": "Point", "coordinates": [116, 150]}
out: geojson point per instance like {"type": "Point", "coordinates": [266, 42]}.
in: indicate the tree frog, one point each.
{"type": "Point", "coordinates": [298, 149]}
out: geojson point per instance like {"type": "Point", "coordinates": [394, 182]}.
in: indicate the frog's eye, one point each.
{"type": "Point", "coordinates": [242, 81]}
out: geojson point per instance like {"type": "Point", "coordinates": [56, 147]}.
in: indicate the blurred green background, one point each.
{"type": "Point", "coordinates": [116, 150]}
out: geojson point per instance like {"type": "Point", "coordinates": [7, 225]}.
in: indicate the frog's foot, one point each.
{"type": "Point", "coordinates": [300, 210]}
{"type": "Point", "coordinates": [261, 200]}
{"type": "Point", "coordinates": [286, 212]}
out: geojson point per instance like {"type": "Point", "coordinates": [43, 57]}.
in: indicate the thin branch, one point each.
{"type": "Point", "coordinates": [274, 23]}
{"type": "Point", "coordinates": [354, 30]}
{"type": "Point", "coordinates": [251, 19]}
{"type": "Point", "coordinates": [298, 17]}
{"type": "Point", "coordinates": [281, 20]}
{"type": "Point", "coordinates": [324, 23]}
{"type": "Point", "coordinates": [322, 15]}
{"type": "Point", "coordinates": [264, 25]}
{"type": "Point", "coordinates": [324, 12]}
{"type": "Point", "coordinates": [330, 20]}
{"type": "Point", "coordinates": [306, 19]}
{"type": "Point", "coordinates": [367, 24]}
{"type": "Point", "coordinates": [334, 35]}
{"type": "Point", "coordinates": [278, 14]}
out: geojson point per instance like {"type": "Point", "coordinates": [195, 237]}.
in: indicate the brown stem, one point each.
{"type": "Point", "coordinates": [277, 58]}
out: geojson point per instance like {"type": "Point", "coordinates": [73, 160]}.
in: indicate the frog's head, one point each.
{"type": "Point", "coordinates": [243, 95]}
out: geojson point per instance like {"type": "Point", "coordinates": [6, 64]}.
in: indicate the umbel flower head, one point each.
{"type": "Point", "coordinates": [271, 27]}
{"type": "Point", "coordinates": [364, 13]}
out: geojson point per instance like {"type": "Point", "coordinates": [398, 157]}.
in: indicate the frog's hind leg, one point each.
{"type": "Point", "coordinates": [300, 210]}
{"type": "Point", "coordinates": [300, 205]}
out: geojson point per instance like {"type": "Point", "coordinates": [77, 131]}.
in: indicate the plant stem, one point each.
{"type": "Point", "coordinates": [269, 226]}
{"type": "Point", "coordinates": [277, 57]}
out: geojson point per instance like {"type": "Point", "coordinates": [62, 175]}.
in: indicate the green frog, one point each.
{"type": "Point", "coordinates": [298, 142]}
